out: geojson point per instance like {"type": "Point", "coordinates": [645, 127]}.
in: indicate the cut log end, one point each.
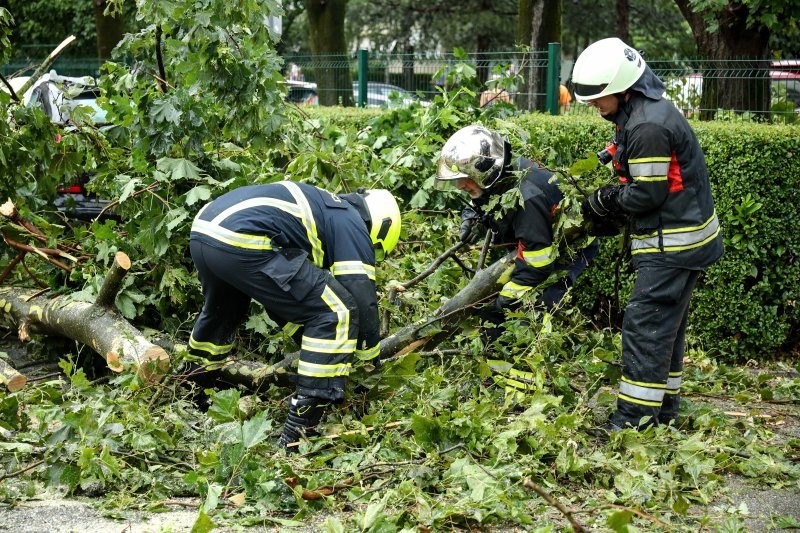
{"type": "Point", "coordinates": [122, 259]}
{"type": "Point", "coordinates": [154, 364]}
{"type": "Point", "coordinates": [113, 362]}
{"type": "Point", "coordinates": [16, 383]}
{"type": "Point", "coordinates": [8, 209]}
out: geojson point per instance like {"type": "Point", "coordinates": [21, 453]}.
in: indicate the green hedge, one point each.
{"type": "Point", "coordinates": [745, 305]}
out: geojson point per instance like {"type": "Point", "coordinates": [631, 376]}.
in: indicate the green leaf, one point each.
{"type": "Point", "coordinates": [582, 166]}
{"type": "Point", "coordinates": [198, 194]}
{"type": "Point", "coordinates": [425, 429]}
{"type": "Point", "coordinates": [420, 199]}
{"type": "Point", "coordinates": [164, 111]}
{"type": "Point", "coordinates": [212, 497]}
{"type": "Point", "coordinates": [224, 405]}
{"type": "Point", "coordinates": [203, 523]}
{"type": "Point", "coordinates": [178, 169]}
{"type": "Point", "coordinates": [255, 430]}
{"type": "Point", "coordinates": [619, 521]}
{"type": "Point", "coordinates": [373, 512]}
{"type": "Point", "coordinates": [333, 525]}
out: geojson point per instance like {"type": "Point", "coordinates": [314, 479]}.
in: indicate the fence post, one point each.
{"type": "Point", "coordinates": [363, 61]}
{"type": "Point", "coordinates": [553, 77]}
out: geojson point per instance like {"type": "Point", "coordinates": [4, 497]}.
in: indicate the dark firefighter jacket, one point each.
{"type": "Point", "coordinates": [531, 227]}
{"type": "Point", "coordinates": [302, 223]}
{"type": "Point", "coordinates": [667, 192]}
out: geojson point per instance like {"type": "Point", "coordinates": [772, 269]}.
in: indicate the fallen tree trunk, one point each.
{"type": "Point", "coordinates": [96, 325]}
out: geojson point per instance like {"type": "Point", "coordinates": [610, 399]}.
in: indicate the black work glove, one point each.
{"type": "Point", "coordinates": [602, 202]}
{"type": "Point", "coordinates": [471, 227]}
{"type": "Point", "coordinates": [305, 412]}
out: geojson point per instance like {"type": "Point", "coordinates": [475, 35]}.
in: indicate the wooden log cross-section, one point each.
{"type": "Point", "coordinates": [97, 325]}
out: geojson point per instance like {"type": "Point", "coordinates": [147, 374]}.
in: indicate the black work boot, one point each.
{"type": "Point", "coordinates": [305, 412]}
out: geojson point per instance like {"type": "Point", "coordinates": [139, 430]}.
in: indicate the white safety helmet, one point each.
{"type": "Point", "coordinates": [608, 66]}
{"type": "Point", "coordinates": [473, 152]}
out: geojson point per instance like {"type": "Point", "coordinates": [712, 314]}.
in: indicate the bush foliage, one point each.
{"type": "Point", "coordinates": [432, 444]}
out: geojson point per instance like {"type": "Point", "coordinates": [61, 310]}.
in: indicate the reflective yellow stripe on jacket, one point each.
{"type": "Point", "coordinates": [539, 258]}
{"type": "Point", "coordinates": [649, 168]}
{"type": "Point", "coordinates": [342, 268]}
{"type": "Point", "coordinates": [514, 290]}
{"type": "Point", "coordinates": [676, 239]}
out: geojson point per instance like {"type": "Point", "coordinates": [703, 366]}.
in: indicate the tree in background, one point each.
{"type": "Point", "coordinates": [110, 24]}
{"type": "Point", "coordinates": [539, 23]}
{"type": "Point", "coordinates": [738, 29]}
{"type": "Point", "coordinates": [326, 35]}
{"type": "Point", "coordinates": [40, 24]}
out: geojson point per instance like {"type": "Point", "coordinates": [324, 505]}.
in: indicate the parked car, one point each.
{"type": "Point", "coordinates": [378, 94]}
{"type": "Point", "coordinates": [685, 92]}
{"type": "Point", "coordinates": [301, 92]}
{"type": "Point", "coordinates": [60, 97]}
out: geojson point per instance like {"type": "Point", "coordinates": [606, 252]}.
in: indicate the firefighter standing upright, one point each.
{"type": "Point", "coordinates": [675, 233]}
{"type": "Point", "coordinates": [308, 256]}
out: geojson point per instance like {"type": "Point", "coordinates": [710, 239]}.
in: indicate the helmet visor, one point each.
{"type": "Point", "coordinates": [588, 92]}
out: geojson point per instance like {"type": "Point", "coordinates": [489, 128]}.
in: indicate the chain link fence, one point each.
{"type": "Point", "coordinates": [741, 89]}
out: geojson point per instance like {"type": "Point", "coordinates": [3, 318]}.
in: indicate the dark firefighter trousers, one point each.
{"type": "Point", "coordinates": [307, 297]}
{"type": "Point", "coordinates": [653, 344]}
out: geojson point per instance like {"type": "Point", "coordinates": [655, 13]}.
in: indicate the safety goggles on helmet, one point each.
{"type": "Point", "coordinates": [379, 209]}
{"type": "Point", "coordinates": [608, 66]}
{"type": "Point", "coordinates": [473, 152]}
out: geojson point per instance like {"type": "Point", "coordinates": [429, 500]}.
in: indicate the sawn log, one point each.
{"type": "Point", "coordinates": [97, 325]}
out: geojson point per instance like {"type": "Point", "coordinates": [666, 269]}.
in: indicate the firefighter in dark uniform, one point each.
{"type": "Point", "coordinates": [308, 256]}
{"type": "Point", "coordinates": [479, 162]}
{"type": "Point", "coordinates": [675, 233]}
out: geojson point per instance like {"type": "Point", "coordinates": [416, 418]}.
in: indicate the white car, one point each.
{"type": "Point", "coordinates": [58, 96]}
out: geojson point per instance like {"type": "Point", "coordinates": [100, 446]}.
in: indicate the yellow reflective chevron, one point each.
{"type": "Point", "coordinates": [290, 329]}
{"type": "Point", "coordinates": [312, 344]}
{"type": "Point", "coordinates": [369, 353]}
{"type": "Point", "coordinates": [641, 392]}
{"type": "Point", "coordinates": [514, 290]}
{"type": "Point", "coordinates": [307, 217]}
{"type": "Point", "coordinates": [677, 239]}
{"type": "Point", "coordinates": [209, 347]}
{"type": "Point", "coordinates": [322, 371]}
{"type": "Point", "coordinates": [355, 268]}
{"type": "Point", "coordinates": [239, 240]}
{"type": "Point", "coordinates": [539, 258]}
{"type": "Point", "coordinates": [342, 314]}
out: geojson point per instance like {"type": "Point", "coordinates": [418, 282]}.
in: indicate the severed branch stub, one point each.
{"type": "Point", "coordinates": [111, 285]}
{"type": "Point", "coordinates": [11, 378]}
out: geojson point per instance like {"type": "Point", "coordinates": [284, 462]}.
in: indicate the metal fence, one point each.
{"type": "Point", "coordinates": [742, 89]}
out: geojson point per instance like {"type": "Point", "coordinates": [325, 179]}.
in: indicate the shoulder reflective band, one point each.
{"type": "Point", "coordinates": [307, 217]}
{"type": "Point", "coordinates": [239, 240]}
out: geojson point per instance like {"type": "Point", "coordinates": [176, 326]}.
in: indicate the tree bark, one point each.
{"type": "Point", "coordinates": [96, 325]}
{"type": "Point", "coordinates": [539, 23]}
{"type": "Point", "coordinates": [623, 20]}
{"type": "Point", "coordinates": [746, 89]}
{"type": "Point", "coordinates": [328, 45]}
{"type": "Point", "coordinates": [110, 29]}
